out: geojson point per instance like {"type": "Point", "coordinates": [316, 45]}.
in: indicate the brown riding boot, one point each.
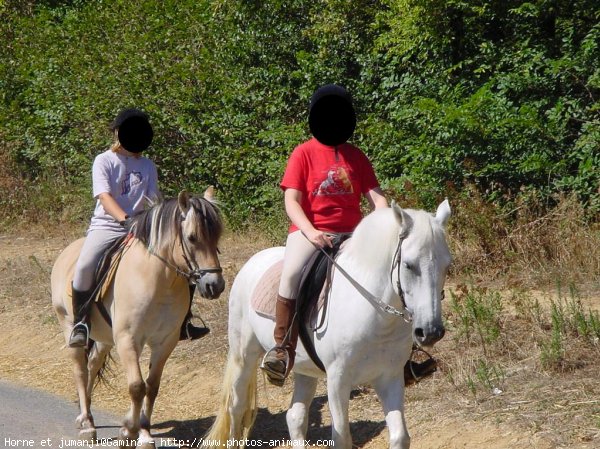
{"type": "Point", "coordinates": [279, 361]}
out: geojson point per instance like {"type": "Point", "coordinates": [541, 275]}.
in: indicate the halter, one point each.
{"type": "Point", "coordinates": [387, 308]}
{"type": "Point", "coordinates": [396, 264]}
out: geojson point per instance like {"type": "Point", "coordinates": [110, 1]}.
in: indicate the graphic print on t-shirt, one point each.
{"type": "Point", "coordinates": [336, 182]}
{"type": "Point", "coordinates": [131, 180]}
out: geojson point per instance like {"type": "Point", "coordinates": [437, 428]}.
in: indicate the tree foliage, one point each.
{"type": "Point", "coordinates": [500, 95]}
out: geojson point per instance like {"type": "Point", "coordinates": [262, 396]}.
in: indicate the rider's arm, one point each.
{"type": "Point", "coordinates": [376, 198]}
{"type": "Point", "coordinates": [111, 206]}
{"type": "Point", "coordinates": [293, 208]}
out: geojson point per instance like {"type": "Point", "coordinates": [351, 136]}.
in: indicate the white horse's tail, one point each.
{"type": "Point", "coordinates": [242, 404]}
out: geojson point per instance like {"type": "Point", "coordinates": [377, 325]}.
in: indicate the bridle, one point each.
{"type": "Point", "coordinates": [396, 265]}
{"type": "Point", "coordinates": [405, 313]}
{"type": "Point", "coordinates": [194, 273]}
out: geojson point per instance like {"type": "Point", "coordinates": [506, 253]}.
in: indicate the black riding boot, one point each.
{"type": "Point", "coordinates": [191, 332]}
{"type": "Point", "coordinates": [188, 330]}
{"type": "Point", "coordinates": [81, 330]}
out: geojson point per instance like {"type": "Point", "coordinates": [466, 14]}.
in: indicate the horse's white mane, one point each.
{"type": "Point", "coordinates": [377, 235]}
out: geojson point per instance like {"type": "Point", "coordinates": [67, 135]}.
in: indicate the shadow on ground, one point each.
{"type": "Point", "coordinates": [270, 429]}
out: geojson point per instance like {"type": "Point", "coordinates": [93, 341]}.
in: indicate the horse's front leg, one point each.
{"type": "Point", "coordinates": [339, 387]}
{"type": "Point", "coordinates": [391, 395]}
{"type": "Point", "coordinates": [158, 358]}
{"type": "Point", "coordinates": [129, 353]}
{"type": "Point", "coordinates": [297, 416]}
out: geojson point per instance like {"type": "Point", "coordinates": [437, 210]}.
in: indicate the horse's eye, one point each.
{"type": "Point", "coordinates": [408, 266]}
{"type": "Point", "coordinates": [192, 238]}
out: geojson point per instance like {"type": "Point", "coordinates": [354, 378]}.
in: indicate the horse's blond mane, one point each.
{"type": "Point", "coordinates": [159, 227]}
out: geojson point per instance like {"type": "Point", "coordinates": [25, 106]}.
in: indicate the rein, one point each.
{"type": "Point", "coordinates": [405, 313]}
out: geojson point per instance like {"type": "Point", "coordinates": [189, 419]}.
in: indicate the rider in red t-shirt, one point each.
{"type": "Point", "coordinates": [323, 184]}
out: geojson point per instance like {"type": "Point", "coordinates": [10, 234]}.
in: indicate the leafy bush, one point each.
{"type": "Point", "coordinates": [499, 96]}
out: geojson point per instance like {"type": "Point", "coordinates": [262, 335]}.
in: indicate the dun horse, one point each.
{"type": "Point", "coordinates": [386, 292]}
{"type": "Point", "coordinates": [175, 245]}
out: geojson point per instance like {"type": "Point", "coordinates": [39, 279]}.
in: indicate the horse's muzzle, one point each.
{"type": "Point", "coordinates": [428, 336]}
{"type": "Point", "coordinates": [211, 285]}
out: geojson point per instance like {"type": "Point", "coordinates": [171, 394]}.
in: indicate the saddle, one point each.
{"type": "Point", "coordinates": [311, 298]}
{"type": "Point", "coordinates": [104, 274]}
{"type": "Point", "coordinates": [314, 285]}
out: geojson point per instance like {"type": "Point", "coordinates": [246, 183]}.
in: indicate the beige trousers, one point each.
{"type": "Point", "coordinates": [297, 252]}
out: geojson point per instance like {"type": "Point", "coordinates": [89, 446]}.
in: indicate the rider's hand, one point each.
{"type": "Point", "coordinates": [319, 238]}
{"type": "Point", "coordinates": [127, 222]}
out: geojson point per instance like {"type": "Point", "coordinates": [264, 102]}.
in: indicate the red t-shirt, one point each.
{"type": "Point", "coordinates": [332, 183]}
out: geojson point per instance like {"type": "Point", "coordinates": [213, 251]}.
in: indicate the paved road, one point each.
{"type": "Point", "coordinates": [31, 418]}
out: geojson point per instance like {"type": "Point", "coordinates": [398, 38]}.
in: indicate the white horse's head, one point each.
{"type": "Point", "coordinates": [423, 262]}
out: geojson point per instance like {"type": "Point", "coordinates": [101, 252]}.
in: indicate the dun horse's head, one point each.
{"type": "Point", "coordinates": [424, 262]}
{"type": "Point", "coordinates": [201, 229]}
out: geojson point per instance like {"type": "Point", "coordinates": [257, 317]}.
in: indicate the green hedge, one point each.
{"type": "Point", "coordinates": [501, 95]}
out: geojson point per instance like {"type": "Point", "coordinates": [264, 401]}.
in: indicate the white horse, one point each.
{"type": "Point", "coordinates": [386, 293]}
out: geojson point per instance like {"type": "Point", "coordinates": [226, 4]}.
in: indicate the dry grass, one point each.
{"type": "Point", "coordinates": [531, 383]}
{"type": "Point", "coordinates": [530, 246]}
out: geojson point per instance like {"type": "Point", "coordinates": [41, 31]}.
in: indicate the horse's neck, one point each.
{"type": "Point", "coordinates": [369, 274]}
{"type": "Point", "coordinates": [369, 256]}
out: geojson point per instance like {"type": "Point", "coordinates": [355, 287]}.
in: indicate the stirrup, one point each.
{"type": "Point", "coordinates": [274, 375]}
{"type": "Point", "coordinates": [418, 371]}
{"type": "Point", "coordinates": [191, 332]}
{"type": "Point", "coordinates": [79, 326]}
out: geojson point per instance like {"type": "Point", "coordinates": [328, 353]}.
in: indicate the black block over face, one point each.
{"type": "Point", "coordinates": [135, 134]}
{"type": "Point", "coordinates": [133, 130]}
{"type": "Point", "coordinates": [331, 116]}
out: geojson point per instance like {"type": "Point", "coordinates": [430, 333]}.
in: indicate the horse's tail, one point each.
{"type": "Point", "coordinates": [220, 432]}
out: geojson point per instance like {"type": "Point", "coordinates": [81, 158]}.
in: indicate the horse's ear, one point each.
{"type": "Point", "coordinates": [443, 213]}
{"type": "Point", "coordinates": [402, 218]}
{"type": "Point", "coordinates": [209, 194]}
{"type": "Point", "coordinates": [183, 200]}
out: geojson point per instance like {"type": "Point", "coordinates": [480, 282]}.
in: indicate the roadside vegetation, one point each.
{"type": "Point", "coordinates": [492, 104]}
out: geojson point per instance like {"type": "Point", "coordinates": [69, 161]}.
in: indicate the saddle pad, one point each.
{"type": "Point", "coordinates": [111, 270]}
{"type": "Point", "coordinates": [264, 296]}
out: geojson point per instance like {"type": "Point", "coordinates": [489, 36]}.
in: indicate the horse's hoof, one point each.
{"type": "Point", "coordinates": [127, 443]}
{"type": "Point", "coordinates": [88, 435]}
{"type": "Point", "coordinates": [126, 440]}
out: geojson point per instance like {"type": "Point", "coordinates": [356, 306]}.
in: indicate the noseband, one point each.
{"type": "Point", "coordinates": [195, 273]}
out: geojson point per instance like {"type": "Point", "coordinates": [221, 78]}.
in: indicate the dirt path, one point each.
{"type": "Point", "coordinates": [439, 416]}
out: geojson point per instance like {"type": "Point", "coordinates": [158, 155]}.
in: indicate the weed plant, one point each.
{"type": "Point", "coordinates": [572, 328]}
